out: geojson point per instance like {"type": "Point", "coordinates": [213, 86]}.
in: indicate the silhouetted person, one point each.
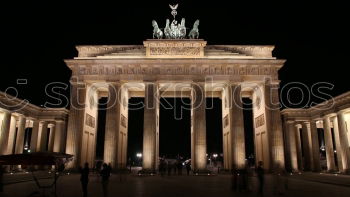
{"type": "Point", "coordinates": [169, 168]}
{"type": "Point", "coordinates": [280, 180]}
{"type": "Point", "coordinates": [179, 167]}
{"type": "Point", "coordinates": [105, 174]}
{"type": "Point", "coordinates": [260, 174]}
{"type": "Point", "coordinates": [1, 178]}
{"type": "Point", "coordinates": [235, 178]}
{"type": "Point", "coordinates": [188, 168]}
{"type": "Point", "coordinates": [162, 167]}
{"type": "Point", "coordinates": [84, 178]}
{"type": "Point", "coordinates": [174, 166]}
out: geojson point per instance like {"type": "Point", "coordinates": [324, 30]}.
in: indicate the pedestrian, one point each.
{"type": "Point", "coordinates": [105, 174]}
{"type": "Point", "coordinates": [234, 178]}
{"type": "Point", "coordinates": [162, 166]}
{"type": "Point", "coordinates": [168, 167]}
{"type": "Point", "coordinates": [260, 174]}
{"type": "Point", "coordinates": [1, 178]}
{"type": "Point", "coordinates": [84, 178]}
{"type": "Point", "coordinates": [280, 180]}
{"type": "Point", "coordinates": [188, 167]}
{"type": "Point", "coordinates": [179, 167]}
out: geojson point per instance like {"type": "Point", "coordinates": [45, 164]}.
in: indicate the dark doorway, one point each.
{"type": "Point", "coordinates": [214, 130]}
{"type": "Point", "coordinates": [101, 126]}
{"type": "Point", "coordinates": [135, 129]}
{"type": "Point", "coordinates": [249, 130]}
{"type": "Point", "coordinates": [175, 128]}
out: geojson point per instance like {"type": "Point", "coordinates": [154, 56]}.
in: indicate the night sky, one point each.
{"type": "Point", "coordinates": [36, 37]}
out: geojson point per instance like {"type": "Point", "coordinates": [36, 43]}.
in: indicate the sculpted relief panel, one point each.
{"type": "Point", "coordinates": [177, 70]}
{"type": "Point", "coordinates": [175, 51]}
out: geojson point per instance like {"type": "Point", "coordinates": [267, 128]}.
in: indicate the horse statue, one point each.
{"type": "Point", "coordinates": [167, 30]}
{"type": "Point", "coordinates": [182, 29]}
{"type": "Point", "coordinates": [156, 30]}
{"type": "Point", "coordinates": [194, 33]}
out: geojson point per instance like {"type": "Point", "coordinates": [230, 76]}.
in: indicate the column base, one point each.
{"type": "Point", "coordinates": [332, 171]}
{"type": "Point", "coordinates": [147, 172]}
{"type": "Point", "coordinates": [202, 172]}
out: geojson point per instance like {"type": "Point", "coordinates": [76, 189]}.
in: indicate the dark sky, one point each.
{"type": "Point", "coordinates": [36, 37]}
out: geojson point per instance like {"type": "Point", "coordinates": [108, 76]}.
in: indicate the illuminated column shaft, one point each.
{"type": "Point", "coordinates": [34, 137]}
{"type": "Point", "coordinates": [292, 147]}
{"type": "Point", "coordinates": [198, 137]}
{"type": "Point", "coordinates": [150, 127]}
{"type": "Point", "coordinates": [20, 135]}
{"type": "Point", "coordinates": [237, 127]}
{"type": "Point", "coordinates": [59, 138]}
{"type": "Point", "coordinates": [75, 123]}
{"type": "Point", "coordinates": [51, 137]}
{"type": "Point", "coordinates": [43, 137]}
{"type": "Point", "coordinates": [344, 143]}
{"type": "Point", "coordinates": [328, 144]}
{"type": "Point", "coordinates": [338, 149]}
{"type": "Point", "coordinates": [298, 147]}
{"type": "Point", "coordinates": [112, 125]}
{"type": "Point", "coordinates": [12, 136]}
{"type": "Point", "coordinates": [273, 117]}
{"type": "Point", "coordinates": [306, 137]}
{"type": "Point", "coordinates": [315, 147]}
{"type": "Point", "coordinates": [4, 132]}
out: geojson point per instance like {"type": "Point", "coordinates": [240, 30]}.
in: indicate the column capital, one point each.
{"type": "Point", "coordinates": [5, 110]}
{"type": "Point", "coordinates": [116, 82]}
{"type": "Point", "coordinates": [234, 83]}
{"type": "Point", "coordinates": [326, 117]}
{"type": "Point", "coordinates": [342, 112]}
{"type": "Point", "coordinates": [290, 121]}
{"type": "Point", "coordinates": [269, 81]}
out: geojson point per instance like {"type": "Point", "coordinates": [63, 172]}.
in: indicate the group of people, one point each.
{"type": "Point", "coordinates": [176, 167]}
{"type": "Point", "coordinates": [242, 179]}
{"type": "Point", "coordinates": [105, 173]}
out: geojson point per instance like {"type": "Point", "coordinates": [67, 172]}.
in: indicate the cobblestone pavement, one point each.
{"type": "Point", "coordinates": [306, 184]}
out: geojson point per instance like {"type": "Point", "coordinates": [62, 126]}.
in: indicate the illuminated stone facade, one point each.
{"type": "Point", "coordinates": [175, 68]}
{"type": "Point", "coordinates": [19, 119]}
{"type": "Point", "coordinates": [328, 123]}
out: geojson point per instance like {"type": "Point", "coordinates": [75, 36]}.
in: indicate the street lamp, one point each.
{"type": "Point", "coordinates": [215, 155]}
{"type": "Point", "coordinates": [139, 157]}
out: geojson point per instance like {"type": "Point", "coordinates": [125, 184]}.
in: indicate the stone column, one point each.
{"type": "Point", "coordinates": [112, 124]}
{"type": "Point", "coordinates": [43, 137]}
{"type": "Point", "coordinates": [4, 132]}
{"type": "Point", "coordinates": [75, 122]}
{"type": "Point", "coordinates": [344, 143]}
{"type": "Point", "coordinates": [273, 118]}
{"type": "Point", "coordinates": [315, 147]}
{"type": "Point", "coordinates": [51, 137]}
{"type": "Point", "coordinates": [237, 126]}
{"type": "Point", "coordinates": [292, 147]}
{"type": "Point", "coordinates": [329, 144]}
{"type": "Point", "coordinates": [12, 136]}
{"type": "Point", "coordinates": [338, 149]}
{"type": "Point", "coordinates": [298, 144]}
{"type": "Point", "coordinates": [198, 137]}
{"type": "Point", "coordinates": [20, 135]}
{"type": "Point", "coordinates": [150, 157]}
{"type": "Point", "coordinates": [306, 135]}
{"type": "Point", "coordinates": [35, 135]}
{"type": "Point", "coordinates": [60, 133]}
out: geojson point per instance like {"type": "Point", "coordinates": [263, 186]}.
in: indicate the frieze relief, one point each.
{"type": "Point", "coordinates": [190, 51]}
{"type": "Point", "coordinates": [176, 70]}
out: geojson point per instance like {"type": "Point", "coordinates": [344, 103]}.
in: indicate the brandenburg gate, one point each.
{"type": "Point", "coordinates": [174, 68]}
{"type": "Point", "coordinates": [178, 64]}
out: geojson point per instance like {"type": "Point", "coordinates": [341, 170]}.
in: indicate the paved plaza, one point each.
{"type": "Point", "coordinates": [306, 184]}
